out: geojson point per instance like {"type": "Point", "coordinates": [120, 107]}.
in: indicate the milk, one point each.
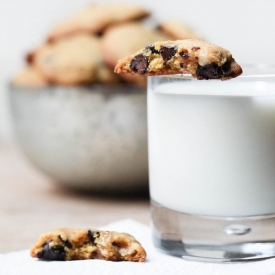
{"type": "Point", "coordinates": [212, 146]}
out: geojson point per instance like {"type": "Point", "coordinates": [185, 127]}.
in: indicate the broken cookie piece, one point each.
{"type": "Point", "coordinates": [190, 56]}
{"type": "Point", "coordinates": [71, 244]}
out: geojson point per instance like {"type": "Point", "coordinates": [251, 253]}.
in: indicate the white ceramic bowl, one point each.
{"type": "Point", "coordinates": [89, 138]}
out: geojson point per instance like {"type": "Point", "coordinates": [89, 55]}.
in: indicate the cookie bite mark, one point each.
{"type": "Point", "coordinates": [139, 64]}
{"type": "Point", "coordinates": [167, 51]}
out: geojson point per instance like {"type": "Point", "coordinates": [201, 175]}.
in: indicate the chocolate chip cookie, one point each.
{"type": "Point", "coordinates": [191, 56]}
{"type": "Point", "coordinates": [73, 60]}
{"type": "Point", "coordinates": [105, 75]}
{"type": "Point", "coordinates": [29, 77]}
{"type": "Point", "coordinates": [70, 244]}
{"type": "Point", "coordinates": [95, 18]}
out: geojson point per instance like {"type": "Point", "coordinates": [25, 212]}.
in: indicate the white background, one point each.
{"type": "Point", "coordinates": [245, 27]}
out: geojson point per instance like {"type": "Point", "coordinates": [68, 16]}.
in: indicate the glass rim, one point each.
{"type": "Point", "coordinates": [257, 72]}
{"type": "Point", "coordinates": [256, 80]}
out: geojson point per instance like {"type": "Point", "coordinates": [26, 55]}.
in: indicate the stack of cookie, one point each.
{"type": "Point", "coordinates": [84, 48]}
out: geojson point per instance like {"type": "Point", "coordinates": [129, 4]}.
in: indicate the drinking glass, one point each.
{"type": "Point", "coordinates": [212, 165]}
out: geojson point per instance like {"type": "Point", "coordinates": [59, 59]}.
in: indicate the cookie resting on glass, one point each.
{"type": "Point", "coordinates": [190, 56]}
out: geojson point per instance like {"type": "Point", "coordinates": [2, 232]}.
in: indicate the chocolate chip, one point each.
{"type": "Point", "coordinates": [152, 49]}
{"type": "Point", "coordinates": [181, 65]}
{"type": "Point", "coordinates": [184, 54]}
{"type": "Point", "coordinates": [226, 67]}
{"type": "Point", "coordinates": [94, 255]}
{"type": "Point", "coordinates": [116, 244]}
{"type": "Point", "coordinates": [65, 242]}
{"type": "Point", "coordinates": [92, 236]}
{"type": "Point", "coordinates": [52, 253]}
{"type": "Point", "coordinates": [119, 244]}
{"type": "Point", "coordinates": [140, 64]}
{"type": "Point", "coordinates": [195, 48]}
{"type": "Point", "coordinates": [168, 51]}
{"type": "Point", "coordinates": [29, 57]}
{"type": "Point", "coordinates": [209, 71]}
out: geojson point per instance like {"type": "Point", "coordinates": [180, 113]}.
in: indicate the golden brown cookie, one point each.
{"type": "Point", "coordinates": [191, 56]}
{"type": "Point", "coordinates": [124, 39]}
{"type": "Point", "coordinates": [106, 75]}
{"type": "Point", "coordinates": [177, 30]}
{"type": "Point", "coordinates": [95, 18]}
{"type": "Point", "coordinates": [71, 244]}
{"type": "Point", "coordinates": [72, 60]}
{"type": "Point", "coordinates": [29, 77]}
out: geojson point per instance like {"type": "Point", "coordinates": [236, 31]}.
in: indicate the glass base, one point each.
{"type": "Point", "coordinates": [213, 239]}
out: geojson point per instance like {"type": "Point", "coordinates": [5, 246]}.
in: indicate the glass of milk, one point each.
{"type": "Point", "coordinates": [212, 165]}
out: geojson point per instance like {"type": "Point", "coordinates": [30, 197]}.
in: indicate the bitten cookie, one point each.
{"type": "Point", "coordinates": [124, 39]}
{"type": "Point", "coordinates": [191, 56]}
{"type": "Point", "coordinates": [177, 30]}
{"type": "Point", "coordinates": [72, 60]}
{"type": "Point", "coordinates": [69, 244]}
{"type": "Point", "coordinates": [95, 18]}
{"type": "Point", "coordinates": [29, 77]}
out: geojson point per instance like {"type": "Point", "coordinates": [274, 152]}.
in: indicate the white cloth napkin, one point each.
{"type": "Point", "coordinates": [157, 263]}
